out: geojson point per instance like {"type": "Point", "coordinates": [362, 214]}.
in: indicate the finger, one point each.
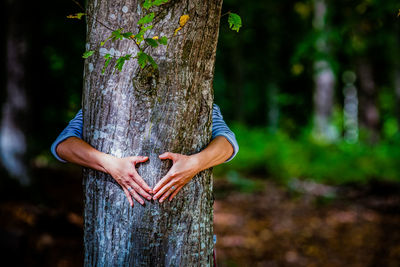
{"type": "Point", "coordinates": [136, 196]}
{"type": "Point", "coordinates": [167, 193]}
{"type": "Point", "coordinates": [168, 155]}
{"type": "Point", "coordinates": [164, 189]}
{"type": "Point", "coordinates": [163, 181]}
{"type": "Point", "coordinates": [128, 196]}
{"type": "Point", "coordinates": [139, 190]}
{"type": "Point", "coordinates": [138, 159]}
{"type": "Point", "coordinates": [175, 192]}
{"type": "Point", "coordinates": [139, 180]}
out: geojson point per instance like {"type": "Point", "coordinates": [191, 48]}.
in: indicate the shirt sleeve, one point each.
{"type": "Point", "coordinates": [74, 128]}
{"type": "Point", "coordinates": [219, 128]}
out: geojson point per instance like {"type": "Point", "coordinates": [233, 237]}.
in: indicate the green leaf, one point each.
{"type": "Point", "coordinates": [108, 58]}
{"type": "Point", "coordinates": [117, 35]}
{"type": "Point", "coordinates": [88, 54]}
{"type": "Point", "coordinates": [139, 37]}
{"type": "Point", "coordinates": [235, 22]}
{"type": "Point", "coordinates": [159, 2]}
{"type": "Point", "coordinates": [121, 61]}
{"type": "Point", "coordinates": [127, 34]}
{"type": "Point", "coordinates": [149, 3]}
{"type": "Point", "coordinates": [151, 42]}
{"type": "Point", "coordinates": [152, 62]}
{"type": "Point", "coordinates": [76, 16]}
{"type": "Point", "coordinates": [142, 59]}
{"type": "Point", "coordinates": [146, 19]}
{"type": "Point", "coordinates": [163, 40]}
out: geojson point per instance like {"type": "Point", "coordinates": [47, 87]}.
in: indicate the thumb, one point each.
{"type": "Point", "coordinates": [137, 159]}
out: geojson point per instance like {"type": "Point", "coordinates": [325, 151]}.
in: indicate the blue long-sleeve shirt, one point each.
{"type": "Point", "coordinates": [219, 128]}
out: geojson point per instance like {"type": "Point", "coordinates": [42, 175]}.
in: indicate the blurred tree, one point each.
{"type": "Point", "coordinates": [262, 55]}
{"type": "Point", "coordinates": [146, 112]}
{"type": "Point", "coordinates": [369, 112]}
{"type": "Point", "coordinates": [396, 45]}
{"type": "Point", "coordinates": [324, 76]}
{"type": "Point", "coordinates": [368, 46]}
{"type": "Point", "coordinates": [350, 107]}
{"type": "Point", "coordinates": [13, 145]}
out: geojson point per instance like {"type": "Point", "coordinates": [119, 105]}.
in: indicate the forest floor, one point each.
{"type": "Point", "coordinates": [305, 224]}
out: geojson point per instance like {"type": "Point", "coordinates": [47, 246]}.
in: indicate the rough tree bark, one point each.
{"type": "Point", "coordinates": [147, 112]}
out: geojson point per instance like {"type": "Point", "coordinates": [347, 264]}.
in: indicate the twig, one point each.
{"type": "Point", "coordinates": [77, 3]}
{"type": "Point", "coordinates": [81, 7]}
{"type": "Point", "coordinates": [225, 14]}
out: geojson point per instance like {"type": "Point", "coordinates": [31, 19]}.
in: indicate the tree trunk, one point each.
{"type": "Point", "coordinates": [15, 108]}
{"type": "Point", "coordinates": [350, 107]}
{"type": "Point", "coordinates": [369, 113]}
{"type": "Point", "coordinates": [147, 112]}
{"type": "Point", "coordinates": [397, 93]}
{"type": "Point", "coordinates": [324, 78]}
{"type": "Point", "coordinates": [273, 106]}
{"type": "Point", "coordinates": [396, 73]}
{"type": "Point", "coordinates": [237, 84]}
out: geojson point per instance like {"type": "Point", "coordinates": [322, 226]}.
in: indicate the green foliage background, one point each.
{"type": "Point", "coordinates": [266, 67]}
{"type": "Point", "coordinates": [269, 64]}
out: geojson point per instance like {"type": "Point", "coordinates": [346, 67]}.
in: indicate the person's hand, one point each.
{"type": "Point", "coordinates": [184, 168]}
{"type": "Point", "coordinates": [124, 172]}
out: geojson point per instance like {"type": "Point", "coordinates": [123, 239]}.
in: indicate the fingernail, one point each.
{"type": "Point", "coordinates": [161, 200]}
{"type": "Point", "coordinates": [149, 198]}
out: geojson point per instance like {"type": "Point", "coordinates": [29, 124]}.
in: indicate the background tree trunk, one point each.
{"type": "Point", "coordinates": [350, 107]}
{"type": "Point", "coordinates": [147, 112]}
{"type": "Point", "coordinates": [369, 113]}
{"type": "Point", "coordinates": [14, 115]}
{"type": "Point", "coordinates": [324, 77]}
{"type": "Point", "coordinates": [396, 73]}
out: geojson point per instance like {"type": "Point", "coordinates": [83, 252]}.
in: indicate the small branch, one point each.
{"type": "Point", "coordinates": [79, 5]}
{"type": "Point", "coordinates": [111, 29]}
{"type": "Point", "coordinates": [136, 44]}
{"type": "Point", "coordinates": [225, 14]}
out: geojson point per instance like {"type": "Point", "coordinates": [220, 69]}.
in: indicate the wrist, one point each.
{"type": "Point", "coordinates": [105, 162]}
{"type": "Point", "coordinates": [199, 161]}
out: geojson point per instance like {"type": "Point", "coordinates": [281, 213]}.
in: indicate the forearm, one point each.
{"type": "Point", "coordinates": [77, 151]}
{"type": "Point", "coordinates": [217, 152]}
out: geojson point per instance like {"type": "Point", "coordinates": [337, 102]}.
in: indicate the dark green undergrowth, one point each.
{"type": "Point", "coordinates": [281, 157]}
